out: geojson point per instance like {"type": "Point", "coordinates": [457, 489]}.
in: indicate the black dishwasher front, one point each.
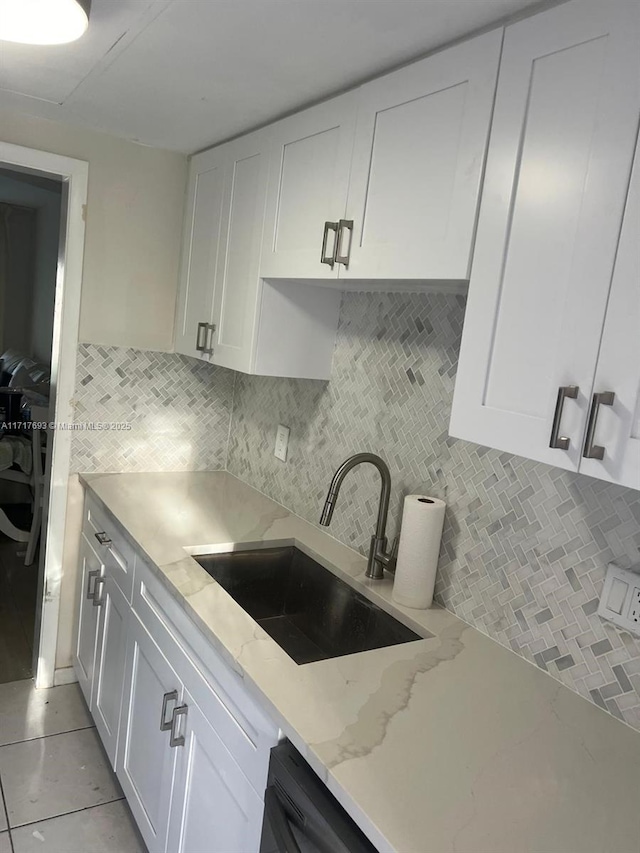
{"type": "Point", "coordinates": [300, 813]}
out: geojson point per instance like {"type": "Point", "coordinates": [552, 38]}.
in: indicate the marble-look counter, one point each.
{"type": "Point", "coordinates": [451, 743]}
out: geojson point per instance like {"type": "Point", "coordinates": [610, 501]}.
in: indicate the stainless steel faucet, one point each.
{"type": "Point", "coordinates": [379, 557]}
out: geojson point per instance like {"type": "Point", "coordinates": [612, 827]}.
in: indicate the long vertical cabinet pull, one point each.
{"type": "Point", "coordinates": [330, 260]}
{"type": "Point", "coordinates": [344, 224]}
{"type": "Point", "coordinates": [97, 597]}
{"type": "Point", "coordinates": [208, 350]}
{"type": "Point", "coordinates": [171, 696]}
{"type": "Point", "coordinates": [556, 440]}
{"type": "Point", "coordinates": [91, 593]}
{"type": "Point", "coordinates": [591, 450]}
{"type": "Point", "coordinates": [200, 345]}
{"type": "Point", "coordinates": [176, 739]}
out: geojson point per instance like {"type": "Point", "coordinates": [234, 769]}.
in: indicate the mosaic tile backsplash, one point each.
{"type": "Point", "coordinates": [178, 408]}
{"type": "Point", "coordinates": [525, 546]}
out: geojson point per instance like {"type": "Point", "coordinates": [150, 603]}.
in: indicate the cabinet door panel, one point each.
{"type": "Point", "coordinates": [618, 426]}
{"type": "Point", "coordinates": [419, 153]}
{"type": "Point", "coordinates": [214, 807]}
{"type": "Point", "coordinates": [557, 174]}
{"type": "Point", "coordinates": [308, 184]}
{"type": "Point", "coordinates": [86, 640]}
{"type": "Point", "coordinates": [146, 762]}
{"type": "Point", "coordinates": [110, 664]}
{"type": "Point", "coordinates": [200, 249]}
{"type": "Point", "coordinates": [236, 297]}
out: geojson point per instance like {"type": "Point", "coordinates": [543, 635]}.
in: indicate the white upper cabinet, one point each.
{"type": "Point", "coordinates": [557, 175]}
{"type": "Point", "coordinates": [227, 314]}
{"type": "Point", "coordinates": [417, 166]}
{"type": "Point", "coordinates": [614, 428]}
{"type": "Point", "coordinates": [308, 185]}
{"type": "Point", "coordinates": [200, 250]}
{"type": "Point", "coordinates": [236, 292]}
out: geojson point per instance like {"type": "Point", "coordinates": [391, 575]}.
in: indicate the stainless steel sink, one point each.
{"type": "Point", "coordinates": [307, 610]}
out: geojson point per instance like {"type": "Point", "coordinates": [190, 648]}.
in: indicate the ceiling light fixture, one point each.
{"type": "Point", "coordinates": [43, 21]}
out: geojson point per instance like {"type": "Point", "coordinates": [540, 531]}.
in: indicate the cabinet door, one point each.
{"type": "Point", "coordinates": [145, 760]}
{"type": "Point", "coordinates": [308, 184]}
{"type": "Point", "coordinates": [237, 280]}
{"type": "Point", "coordinates": [558, 166]}
{"type": "Point", "coordinates": [91, 569]}
{"type": "Point", "coordinates": [214, 807]}
{"type": "Point", "coordinates": [617, 426]}
{"type": "Point", "coordinates": [200, 250]}
{"type": "Point", "coordinates": [108, 681]}
{"type": "Point", "coordinates": [419, 153]}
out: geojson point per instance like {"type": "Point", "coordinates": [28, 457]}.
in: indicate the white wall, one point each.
{"type": "Point", "coordinates": [133, 230]}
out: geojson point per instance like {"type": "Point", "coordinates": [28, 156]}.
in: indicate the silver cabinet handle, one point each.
{"type": "Point", "coordinates": [177, 740]}
{"type": "Point", "coordinates": [102, 538]}
{"type": "Point", "coordinates": [591, 450]}
{"type": "Point", "coordinates": [202, 327]}
{"type": "Point", "coordinates": [324, 258]}
{"type": "Point", "coordinates": [91, 593]}
{"type": "Point", "coordinates": [561, 442]}
{"type": "Point", "coordinates": [341, 258]}
{"type": "Point", "coordinates": [97, 592]}
{"type": "Point", "coordinates": [171, 696]}
{"type": "Point", "coordinates": [208, 350]}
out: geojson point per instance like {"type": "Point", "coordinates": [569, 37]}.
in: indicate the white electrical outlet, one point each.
{"type": "Point", "coordinates": [282, 443]}
{"type": "Point", "coordinates": [620, 599]}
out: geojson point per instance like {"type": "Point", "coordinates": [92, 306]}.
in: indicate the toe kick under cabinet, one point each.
{"type": "Point", "coordinates": [189, 745]}
{"type": "Point", "coordinates": [375, 189]}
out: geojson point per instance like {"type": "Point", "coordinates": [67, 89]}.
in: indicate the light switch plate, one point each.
{"type": "Point", "coordinates": [282, 443]}
{"type": "Point", "coordinates": [620, 599]}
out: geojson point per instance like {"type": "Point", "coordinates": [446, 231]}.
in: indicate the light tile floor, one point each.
{"type": "Point", "coordinates": [58, 793]}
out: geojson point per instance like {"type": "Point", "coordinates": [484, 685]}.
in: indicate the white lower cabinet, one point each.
{"type": "Point", "coordinates": [214, 807]}
{"type": "Point", "coordinates": [146, 760]}
{"type": "Point", "coordinates": [189, 745]}
{"type": "Point", "coordinates": [109, 670]}
{"type": "Point", "coordinates": [91, 569]}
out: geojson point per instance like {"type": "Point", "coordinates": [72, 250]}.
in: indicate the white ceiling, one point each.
{"type": "Point", "coordinates": [183, 74]}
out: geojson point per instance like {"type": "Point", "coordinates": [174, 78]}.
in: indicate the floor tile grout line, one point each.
{"type": "Point", "coordinates": [64, 814]}
{"type": "Point", "coordinates": [53, 734]}
{"type": "Point", "coordinates": [6, 814]}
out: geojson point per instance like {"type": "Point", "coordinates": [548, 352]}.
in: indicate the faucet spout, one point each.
{"type": "Point", "coordinates": [378, 556]}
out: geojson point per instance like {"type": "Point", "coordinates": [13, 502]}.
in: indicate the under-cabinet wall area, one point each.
{"type": "Point", "coordinates": [180, 423]}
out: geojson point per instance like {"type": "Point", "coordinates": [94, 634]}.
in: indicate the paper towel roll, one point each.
{"type": "Point", "coordinates": [420, 535]}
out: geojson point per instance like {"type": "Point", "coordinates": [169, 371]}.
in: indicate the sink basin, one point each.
{"type": "Point", "coordinates": [307, 610]}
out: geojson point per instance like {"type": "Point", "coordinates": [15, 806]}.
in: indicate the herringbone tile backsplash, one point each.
{"type": "Point", "coordinates": [178, 409]}
{"type": "Point", "coordinates": [525, 546]}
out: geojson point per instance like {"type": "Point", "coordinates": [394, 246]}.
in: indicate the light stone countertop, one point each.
{"type": "Point", "coordinates": [452, 743]}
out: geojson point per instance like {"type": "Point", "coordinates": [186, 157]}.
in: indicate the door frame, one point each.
{"type": "Point", "coordinates": [74, 175]}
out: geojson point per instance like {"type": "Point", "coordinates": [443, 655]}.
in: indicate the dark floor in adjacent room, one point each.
{"type": "Point", "coordinates": [18, 588]}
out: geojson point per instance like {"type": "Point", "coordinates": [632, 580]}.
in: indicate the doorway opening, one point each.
{"type": "Point", "coordinates": [42, 206]}
{"type": "Point", "coordinates": [30, 218]}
